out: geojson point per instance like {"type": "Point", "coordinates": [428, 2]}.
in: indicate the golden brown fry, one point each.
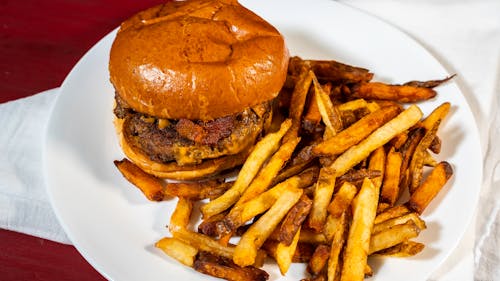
{"type": "Point", "coordinates": [342, 199]}
{"type": "Point", "coordinates": [368, 271]}
{"type": "Point", "coordinates": [393, 236]}
{"type": "Point", "coordinates": [356, 132]}
{"type": "Point", "coordinates": [303, 252]}
{"type": "Point", "coordinates": [246, 211]}
{"type": "Point", "coordinates": [284, 253]}
{"type": "Point", "coordinates": [418, 158]}
{"type": "Point", "coordinates": [330, 70]}
{"type": "Point", "coordinates": [390, 188]}
{"type": "Point", "coordinates": [318, 259]}
{"type": "Point", "coordinates": [404, 249]}
{"type": "Point", "coordinates": [181, 215]}
{"type": "Point", "coordinates": [151, 186]}
{"type": "Point", "coordinates": [337, 243]}
{"type": "Point", "coordinates": [358, 241]}
{"type": "Point", "coordinates": [379, 137]}
{"type": "Point", "coordinates": [398, 141]}
{"type": "Point", "coordinates": [356, 176]}
{"type": "Point", "coordinates": [262, 150]}
{"type": "Point", "coordinates": [203, 243]}
{"type": "Point", "coordinates": [382, 207]}
{"type": "Point", "coordinates": [399, 220]}
{"type": "Point", "coordinates": [424, 194]}
{"type": "Point", "coordinates": [313, 116]}
{"type": "Point", "coordinates": [329, 114]}
{"type": "Point", "coordinates": [224, 268]}
{"type": "Point", "coordinates": [399, 93]}
{"type": "Point", "coordinates": [293, 220]}
{"type": "Point", "coordinates": [391, 213]}
{"type": "Point", "coordinates": [246, 250]}
{"type": "Point", "coordinates": [322, 196]}
{"type": "Point", "coordinates": [429, 160]}
{"type": "Point", "coordinates": [209, 226]}
{"type": "Point", "coordinates": [353, 105]}
{"type": "Point", "coordinates": [265, 176]}
{"type": "Point", "coordinates": [178, 250]}
{"type": "Point", "coordinates": [435, 145]}
{"type": "Point", "coordinates": [377, 163]}
{"type": "Point", "coordinates": [197, 190]}
{"type": "Point", "coordinates": [408, 148]}
{"type": "Point", "coordinates": [307, 236]}
{"type": "Point", "coordinates": [436, 115]}
{"type": "Point", "coordinates": [298, 100]}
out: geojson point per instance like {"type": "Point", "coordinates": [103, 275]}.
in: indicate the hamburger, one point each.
{"type": "Point", "coordinates": [194, 82]}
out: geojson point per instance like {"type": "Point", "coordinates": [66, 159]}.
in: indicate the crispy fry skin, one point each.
{"type": "Point", "coordinates": [284, 253]}
{"type": "Point", "coordinates": [318, 259]}
{"type": "Point", "coordinates": [358, 241]}
{"type": "Point", "coordinates": [342, 199]}
{"type": "Point", "coordinates": [246, 250]}
{"type": "Point", "coordinates": [322, 195]}
{"type": "Point", "coordinates": [429, 83]}
{"type": "Point", "coordinates": [151, 186]}
{"type": "Point", "coordinates": [303, 251]}
{"type": "Point", "coordinates": [329, 114]}
{"type": "Point", "coordinates": [399, 220]}
{"type": "Point", "coordinates": [424, 194]}
{"type": "Point", "coordinates": [356, 176]}
{"type": "Point", "coordinates": [390, 188]}
{"type": "Point", "coordinates": [399, 93]}
{"type": "Point", "coordinates": [393, 236]}
{"type": "Point", "coordinates": [356, 132]}
{"type": "Point", "coordinates": [379, 137]}
{"type": "Point", "coordinates": [293, 220]}
{"type": "Point", "coordinates": [209, 226]}
{"type": "Point", "coordinates": [224, 268]}
{"type": "Point", "coordinates": [312, 116]}
{"type": "Point", "coordinates": [262, 150]}
{"type": "Point", "coordinates": [377, 163]}
{"type": "Point", "coordinates": [178, 250]}
{"type": "Point", "coordinates": [331, 70]}
{"type": "Point", "coordinates": [337, 243]}
{"type": "Point", "coordinates": [404, 249]}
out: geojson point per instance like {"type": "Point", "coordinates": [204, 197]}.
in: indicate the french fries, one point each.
{"type": "Point", "coordinates": [257, 157]}
{"type": "Point", "coordinates": [358, 242]}
{"type": "Point", "coordinates": [151, 186]}
{"type": "Point", "coordinates": [322, 187]}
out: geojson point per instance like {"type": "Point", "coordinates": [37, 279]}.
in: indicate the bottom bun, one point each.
{"type": "Point", "coordinates": [173, 171]}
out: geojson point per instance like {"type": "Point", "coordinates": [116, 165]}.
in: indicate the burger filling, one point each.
{"type": "Point", "coordinates": [191, 141]}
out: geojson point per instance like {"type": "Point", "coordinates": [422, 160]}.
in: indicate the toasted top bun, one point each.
{"type": "Point", "coordinates": [198, 59]}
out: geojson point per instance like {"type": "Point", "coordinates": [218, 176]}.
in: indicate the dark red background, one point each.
{"type": "Point", "coordinates": [40, 41]}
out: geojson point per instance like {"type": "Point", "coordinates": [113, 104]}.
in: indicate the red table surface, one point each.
{"type": "Point", "coordinates": [40, 41]}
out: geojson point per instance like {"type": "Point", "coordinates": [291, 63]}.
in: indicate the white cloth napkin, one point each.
{"type": "Point", "coordinates": [463, 34]}
{"type": "Point", "coordinates": [24, 203]}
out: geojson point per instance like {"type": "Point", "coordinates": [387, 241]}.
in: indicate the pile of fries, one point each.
{"type": "Point", "coordinates": [339, 177]}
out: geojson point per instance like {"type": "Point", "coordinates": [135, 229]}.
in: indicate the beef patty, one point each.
{"type": "Point", "coordinates": [191, 141]}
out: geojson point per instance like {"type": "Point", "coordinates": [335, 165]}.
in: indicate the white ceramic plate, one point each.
{"type": "Point", "coordinates": [114, 227]}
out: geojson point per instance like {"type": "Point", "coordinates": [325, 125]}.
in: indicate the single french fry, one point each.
{"type": "Point", "coordinates": [251, 241]}
{"type": "Point", "coordinates": [390, 187]}
{"type": "Point", "coordinates": [298, 101]}
{"type": "Point", "coordinates": [303, 252]}
{"type": "Point", "coordinates": [408, 149]}
{"type": "Point", "coordinates": [181, 215]}
{"type": "Point", "coordinates": [391, 213]}
{"type": "Point", "coordinates": [337, 242]}
{"type": "Point", "coordinates": [379, 137]}
{"type": "Point", "coordinates": [357, 132]}
{"type": "Point", "coordinates": [404, 249]}
{"type": "Point", "coordinates": [342, 199]}
{"type": "Point", "coordinates": [262, 150]}
{"type": "Point", "coordinates": [246, 211]}
{"type": "Point", "coordinates": [203, 243]}
{"type": "Point", "coordinates": [393, 236]}
{"type": "Point", "coordinates": [429, 160]}
{"type": "Point", "coordinates": [310, 237]}
{"type": "Point", "coordinates": [329, 114]}
{"type": "Point", "coordinates": [151, 186]}
{"type": "Point", "coordinates": [368, 271]}
{"type": "Point", "coordinates": [265, 176]}
{"type": "Point", "coordinates": [313, 116]}
{"type": "Point", "coordinates": [322, 197]}
{"type": "Point", "coordinates": [224, 268]}
{"type": "Point", "coordinates": [399, 220]}
{"type": "Point", "coordinates": [418, 158]}
{"type": "Point", "coordinates": [424, 194]}
{"type": "Point", "coordinates": [356, 176]}
{"type": "Point", "coordinates": [293, 220]}
{"type": "Point", "coordinates": [436, 115]}
{"type": "Point", "coordinates": [284, 253]}
{"type": "Point", "coordinates": [399, 93]}
{"type": "Point", "coordinates": [429, 83]}
{"type": "Point", "coordinates": [398, 141]}
{"type": "Point", "coordinates": [197, 190]}
{"type": "Point", "coordinates": [358, 241]}
{"type": "Point", "coordinates": [382, 207]}
{"type": "Point", "coordinates": [353, 105]}
{"type": "Point", "coordinates": [318, 259]}
{"type": "Point", "coordinates": [178, 250]}
{"type": "Point", "coordinates": [377, 163]}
